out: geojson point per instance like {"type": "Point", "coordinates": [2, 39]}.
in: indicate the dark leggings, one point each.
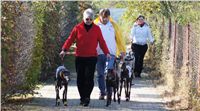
{"type": "Point", "coordinates": [139, 51]}
{"type": "Point", "coordinates": [85, 68]}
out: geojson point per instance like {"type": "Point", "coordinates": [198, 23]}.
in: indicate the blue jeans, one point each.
{"type": "Point", "coordinates": [102, 65]}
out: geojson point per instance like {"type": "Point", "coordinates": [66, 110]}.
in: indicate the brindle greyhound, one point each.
{"type": "Point", "coordinates": [112, 84]}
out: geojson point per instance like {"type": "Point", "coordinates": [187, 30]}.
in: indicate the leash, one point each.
{"type": "Point", "coordinates": [62, 60]}
{"type": "Point", "coordinates": [62, 57]}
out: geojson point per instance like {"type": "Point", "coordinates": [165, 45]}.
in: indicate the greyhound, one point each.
{"type": "Point", "coordinates": [112, 84]}
{"type": "Point", "coordinates": [61, 79]}
{"type": "Point", "coordinates": [126, 76]}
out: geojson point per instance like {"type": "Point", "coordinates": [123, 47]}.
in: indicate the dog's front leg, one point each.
{"type": "Point", "coordinates": [57, 95]}
{"type": "Point", "coordinates": [65, 95]}
{"type": "Point", "coordinates": [109, 92]}
{"type": "Point", "coordinates": [129, 92]}
{"type": "Point", "coordinates": [117, 90]}
{"type": "Point", "coordinates": [120, 90]}
{"type": "Point", "coordinates": [127, 89]}
{"type": "Point", "coordinates": [114, 88]}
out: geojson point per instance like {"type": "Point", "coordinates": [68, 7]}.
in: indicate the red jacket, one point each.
{"type": "Point", "coordinates": [86, 42]}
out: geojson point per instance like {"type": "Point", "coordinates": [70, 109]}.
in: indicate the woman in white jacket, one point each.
{"type": "Point", "coordinates": [140, 35]}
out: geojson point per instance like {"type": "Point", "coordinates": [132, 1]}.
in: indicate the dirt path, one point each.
{"type": "Point", "coordinates": [144, 97]}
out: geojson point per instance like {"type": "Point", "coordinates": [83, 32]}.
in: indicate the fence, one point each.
{"type": "Point", "coordinates": [185, 50]}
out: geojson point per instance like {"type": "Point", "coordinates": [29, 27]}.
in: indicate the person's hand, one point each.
{"type": "Point", "coordinates": [151, 43]}
{"type": "Point", "coordinates": [62, 54]}
{"type": "Point", "coordinates": [123, 54]}
{"type": "Point", "coordinates": [108, 56]}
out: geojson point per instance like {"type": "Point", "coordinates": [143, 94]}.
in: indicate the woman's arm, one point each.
{"type": "Point", "coordinates": [70, 40]}
{"type": "Point", "coordinates": [151, 39]}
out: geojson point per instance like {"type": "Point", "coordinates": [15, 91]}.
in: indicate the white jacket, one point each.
{"type": "Point", "coordinates": [140, 35]}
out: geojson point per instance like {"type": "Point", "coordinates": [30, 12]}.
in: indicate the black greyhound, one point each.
{"type": "Point", "coordinates": [112, 84]}
{"type": "Point", "coordinates": [61, 79]}
{"type": "Point", "coordinates": [126, 77]}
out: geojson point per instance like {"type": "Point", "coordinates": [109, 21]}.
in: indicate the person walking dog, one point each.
{"type": "Point", "coordinates": [116, 45]}
{"type": "Point", "coordinates": [87, 35]}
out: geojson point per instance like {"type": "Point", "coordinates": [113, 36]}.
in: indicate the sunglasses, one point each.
{"type": "Point", "coordinates": [141, 19]}
{"type": "Point", "coordinates": [87, 19]}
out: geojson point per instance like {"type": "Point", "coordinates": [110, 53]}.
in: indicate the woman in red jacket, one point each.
{"type": "Point", "coordinates": [86, 35]}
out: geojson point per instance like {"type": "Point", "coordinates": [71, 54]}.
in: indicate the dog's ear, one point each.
{"type": "Point", "coordinates": [66, 73]}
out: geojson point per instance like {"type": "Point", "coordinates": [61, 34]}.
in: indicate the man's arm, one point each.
{"type": "Point", "coordinates": [120, 43]}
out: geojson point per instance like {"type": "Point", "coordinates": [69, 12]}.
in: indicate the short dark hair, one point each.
{"type": "Point", "coordinates": [140, 16]}
{"type": "Point", "coordinates": [104, 12]}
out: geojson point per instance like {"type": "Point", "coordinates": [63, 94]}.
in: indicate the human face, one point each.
{"type": "Point", "coordinates": [140, 20]}
{"type": "Point", "coordinates": [104, 19]}
{"type": "Point", "coordinates": [88, 20]}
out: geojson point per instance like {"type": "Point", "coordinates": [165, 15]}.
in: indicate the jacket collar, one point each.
{"type": "Point", "coordinates": [145, 24]}
{"type": "Point", "coordinates": [82, 23]}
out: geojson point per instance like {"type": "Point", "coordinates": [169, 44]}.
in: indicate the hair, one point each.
{"type": "Point", "coordinates": [140, 16]}
{"type": "Point", "coordinates": [104, 12]}
{"type": "Point", "coordinates": [88, 12]}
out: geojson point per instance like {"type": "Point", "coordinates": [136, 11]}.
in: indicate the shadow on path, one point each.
{"type": "Point", "coordinates": [143, 97]}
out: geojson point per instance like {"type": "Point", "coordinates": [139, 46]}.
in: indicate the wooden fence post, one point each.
{"type": "Point", "coordinates": [188, 48]}
{"type": "Point", "coordinates": [199, 74]}
{"type": "Point", "coordinates": [174, 55]}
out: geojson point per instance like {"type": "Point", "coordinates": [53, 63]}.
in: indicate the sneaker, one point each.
{"type": "Point", "coordinates": [81, 103]}
{"type": "Point", "coordinates": [137, 75]}
{"type": "Point", "coordinates": [101, 97]}
{"type": "Point", "coordinates": [86, 103]}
